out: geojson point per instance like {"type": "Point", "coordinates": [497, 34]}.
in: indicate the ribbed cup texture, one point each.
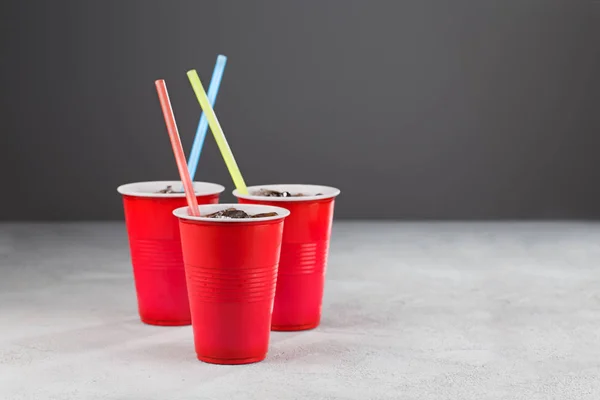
{"type": "Point", "coordinates": [156, 254]}
{"type": "Point", "coordinates": [248, 285]}
{"type": "Point", "coordinates": [304, 258]}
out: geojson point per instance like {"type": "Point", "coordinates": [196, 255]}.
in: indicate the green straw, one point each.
{"type": "Point", "coordinates": [215, 128]}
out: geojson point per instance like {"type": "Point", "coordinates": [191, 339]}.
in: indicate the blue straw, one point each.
{"type": "Point", "coordinates": [213, 89]}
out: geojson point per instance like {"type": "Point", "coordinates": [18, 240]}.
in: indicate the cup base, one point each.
{"type": "Point", "coordinates": [165, 323]}
{"type": "Point", "coordinates": [292, 328]}
{"type": "Point", "coordinates": [231, 361]}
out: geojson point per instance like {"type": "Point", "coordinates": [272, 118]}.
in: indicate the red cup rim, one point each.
{"type": "Point", "coordinates": [149, 189]}
{"type": "Point", "coordinates": [182, 213]}
{"type": "Point", "coordinates": [327, 192]}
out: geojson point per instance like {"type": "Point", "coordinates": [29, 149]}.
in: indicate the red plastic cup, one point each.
{"type": "Point", "coordinates": [301, 280]}
{"type": "Point", "coordinates": [156, 248]}
{"type": "Point", "coordinates": [231, 270]}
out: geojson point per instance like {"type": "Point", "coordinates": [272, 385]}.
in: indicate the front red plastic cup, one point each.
{"type": "Point", "coordinates": [304, 251]}
{"type": "Point", "coordinates": [156, 248]}
{"type": "Point", "coordinates": [231, 270]}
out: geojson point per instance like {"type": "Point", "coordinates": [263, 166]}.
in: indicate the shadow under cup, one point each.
{"type": "Point", "coordinates": [155, 247]}
{"type": "Point", "coordinates": [231, 268]}
{"type": "Point", "coordinates": [304, 252]}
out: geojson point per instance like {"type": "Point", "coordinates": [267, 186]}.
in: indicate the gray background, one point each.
{"type": "Point", "coordinates": [415, 109]}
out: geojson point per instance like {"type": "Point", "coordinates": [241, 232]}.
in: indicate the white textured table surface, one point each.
{"type": "Point", "coordinates": [412, 311]}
